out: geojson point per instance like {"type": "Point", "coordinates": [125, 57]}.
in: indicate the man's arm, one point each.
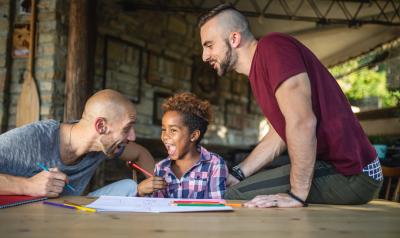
{"type": "Point", "coordinates": [46, 183]}
{"type": "Point", "coordinates": [270, 146]}
{"type": "Point", "coordinates": [294, 99]}
{"type": "Point", "coordinates": [140, 155]}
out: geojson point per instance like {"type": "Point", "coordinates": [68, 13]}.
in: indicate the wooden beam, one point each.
{"type": "Point", "coordinates": [80, 62]}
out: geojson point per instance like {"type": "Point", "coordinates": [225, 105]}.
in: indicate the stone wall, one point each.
{"type": "Point", "coordinates": [5, 38]}
{"type": "Point", "coordinates": [159, 51]}
{"type": "Point", "coordinates": [49, 61]}
{"type": "Point", "coordinates": [170, 44]}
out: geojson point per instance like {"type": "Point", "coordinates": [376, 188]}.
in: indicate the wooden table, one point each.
{"type": "Point", "coordinates": [376, 219]}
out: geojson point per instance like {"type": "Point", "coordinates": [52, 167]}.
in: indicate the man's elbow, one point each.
{"type": "Point", "coordinates": [304, 124]}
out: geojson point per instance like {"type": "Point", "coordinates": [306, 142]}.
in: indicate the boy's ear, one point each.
{"type": "Point", "coordinates": [100, 125]}
{"type": "Point", "coordinates": [195, 135]}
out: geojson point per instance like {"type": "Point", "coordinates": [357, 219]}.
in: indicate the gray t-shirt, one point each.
{"type": "Point", "coordinates": [22, 148]}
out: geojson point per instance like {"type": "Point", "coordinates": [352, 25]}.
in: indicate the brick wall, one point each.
{"type": "Point", "coordinates": [161, 50]}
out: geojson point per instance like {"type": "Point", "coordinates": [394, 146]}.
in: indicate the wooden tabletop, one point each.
{"type": "Point", "coordinates": [376, 219]}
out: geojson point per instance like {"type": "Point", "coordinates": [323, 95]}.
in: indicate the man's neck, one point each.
{"type": "Point", "coordinates": [73, 142]}
{"type": "Point", "coordinates": [245, 57]}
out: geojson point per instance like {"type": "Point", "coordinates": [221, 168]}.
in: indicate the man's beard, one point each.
{"type": "Point", "coordinates": [228, 61]}
{"type": "Point", "coordinates": [109, 150]}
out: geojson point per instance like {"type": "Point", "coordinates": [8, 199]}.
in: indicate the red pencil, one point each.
{"type": "Point", "coordinates": [138, 168]}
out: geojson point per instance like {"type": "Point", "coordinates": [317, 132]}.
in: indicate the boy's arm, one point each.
{"type": "Point", "coordinates": [217, 182]}
{"type": "Point", "coordinates": [140, 155]}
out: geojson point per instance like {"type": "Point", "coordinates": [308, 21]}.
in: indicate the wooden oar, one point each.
{"type": "Point", "coordinates": [28, 106]}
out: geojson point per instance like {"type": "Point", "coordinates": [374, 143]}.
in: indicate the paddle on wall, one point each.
{"type": "Point", "coordinates": [28, 106]}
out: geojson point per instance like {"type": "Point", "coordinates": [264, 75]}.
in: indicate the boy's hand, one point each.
{"type": "Point", "coordinates": [150, 185]}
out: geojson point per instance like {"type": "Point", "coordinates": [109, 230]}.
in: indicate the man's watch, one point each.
{"type": "Point", "coordinates": [237, 173]}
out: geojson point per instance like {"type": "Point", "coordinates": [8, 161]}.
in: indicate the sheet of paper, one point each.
{"type": "Point", "coordinates": [140, 204]}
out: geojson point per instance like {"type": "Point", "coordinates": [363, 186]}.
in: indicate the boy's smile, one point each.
{"type": "Point", "coordinates": [175, 135]}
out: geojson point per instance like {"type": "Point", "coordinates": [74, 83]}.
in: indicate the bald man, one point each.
{"type": "Point", "coordinates": [72, 151]}
{"type": "Point", "coordinates": [332, 160]}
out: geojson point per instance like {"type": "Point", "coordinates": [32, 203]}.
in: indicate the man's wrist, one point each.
{"type": "Point", "coordinates": [295, 197]}
{"type": "Point", "coordinates": [238, 173]}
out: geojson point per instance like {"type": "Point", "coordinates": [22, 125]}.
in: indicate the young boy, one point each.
{"type": "Point", "coordinates": [190, 171]}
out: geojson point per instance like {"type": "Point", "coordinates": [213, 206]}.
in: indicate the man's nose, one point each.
{"type": "Point", "coordinates": [131, 135]}
{"type": "Point", "coordinates": [205, 56]}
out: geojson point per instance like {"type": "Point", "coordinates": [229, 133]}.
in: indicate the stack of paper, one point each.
{"type": "Point", "coordinates": [140, 204]}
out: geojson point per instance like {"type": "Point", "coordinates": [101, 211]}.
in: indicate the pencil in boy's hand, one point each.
{"type": "Point", "coordinates": [139, 168]}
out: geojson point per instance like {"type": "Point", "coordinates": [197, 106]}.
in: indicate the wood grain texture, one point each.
{"type": "Point", "coordinates": [376, 219]}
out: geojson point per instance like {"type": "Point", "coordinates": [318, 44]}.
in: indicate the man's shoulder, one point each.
{"type": "Point", "coordinates": [39, 127]}
{"type": "Point", "coordinates": [275, 38]}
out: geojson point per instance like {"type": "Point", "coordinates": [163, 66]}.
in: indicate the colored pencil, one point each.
{"type": "Point", "coordinates": [44, 167]}
{"type": "Point", "coordinates": [233, 204]}
{"type": "Point", "coordinates": [190, 202]}
{"type": "Point", "coordinates": [200, 200]}
{"type": "Point", "coordinates": [57, 204]}
{"type": "Point", "coordinates": [199, 205]}
{"type": "Point", "coordinates": [139, 168]}
{"type": "Point", "coordinates": [79, 207]}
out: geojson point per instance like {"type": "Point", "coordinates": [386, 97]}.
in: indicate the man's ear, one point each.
{"type": "Point", "coordinates": [195, 135]}
{"type": "Point", "coordinates": [234, 39]}
{"type": "Point", "coordinates": [100, 125]}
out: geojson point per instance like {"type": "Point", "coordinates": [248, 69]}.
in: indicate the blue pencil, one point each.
{"type": "Point", "coordinates": [44, 167]}
{"type": "Point", "coordinates": [57, 204]}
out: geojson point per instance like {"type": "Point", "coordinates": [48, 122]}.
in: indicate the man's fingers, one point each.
{"type": "Point", "coordinates": [58, 183]}
{"type": "Point", "coordinates": [58, 175]}
{"type": "Point", "coordinates": [263, 201]}
{"type": "Point", "coordinates": [52, 194]}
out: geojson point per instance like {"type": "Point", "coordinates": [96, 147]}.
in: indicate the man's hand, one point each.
{"type": "Point", "coordinates": [277, 200]}
{"type": "Point", "coordinates": [46, 183]}
{"type": "Point", "coordinates": [230, 181]}
{"type": "Point", "coordinates": [151, 185]}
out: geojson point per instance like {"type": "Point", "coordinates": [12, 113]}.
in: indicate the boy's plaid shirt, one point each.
{"type": "Point", "coordinates": [206, 179]}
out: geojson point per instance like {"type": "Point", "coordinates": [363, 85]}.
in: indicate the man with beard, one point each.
{"type": "Point", "coordinates": [331, 159]}
{"type": "Point", "coordinates": [72, 152]}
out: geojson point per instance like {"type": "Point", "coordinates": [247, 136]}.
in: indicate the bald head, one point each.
{"type": "Point", "coordinates": [228, 19]}
{"type": "Point", "coordinates": [109, 104]}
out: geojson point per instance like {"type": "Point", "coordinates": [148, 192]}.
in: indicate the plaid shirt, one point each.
{"type": "Point", "coordinates": [205, 180]}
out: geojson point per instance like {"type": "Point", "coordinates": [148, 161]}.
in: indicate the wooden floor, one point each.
{"type": "Point", "coordinates": [376, 219]}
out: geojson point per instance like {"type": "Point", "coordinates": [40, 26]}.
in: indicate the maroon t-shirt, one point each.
{"type": "Point", "coordinates": [340, 138]}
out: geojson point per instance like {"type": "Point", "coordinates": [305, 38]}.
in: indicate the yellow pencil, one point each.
{"type": "Point", "coordinates": [79, 207]}
{"type": "Point", "coordinates": [233, 204]}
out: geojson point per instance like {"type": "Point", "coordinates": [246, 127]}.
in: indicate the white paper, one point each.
{"type": "Point", "coordinates": [140, 204]}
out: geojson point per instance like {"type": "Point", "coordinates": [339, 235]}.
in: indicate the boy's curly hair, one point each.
{"type": "Point", "coordinates": [196, 112]}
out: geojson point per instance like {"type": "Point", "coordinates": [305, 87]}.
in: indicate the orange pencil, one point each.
{"type": "Point", "coordinates": [139, 168]}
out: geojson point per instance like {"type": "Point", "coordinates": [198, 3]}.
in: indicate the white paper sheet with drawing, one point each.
{"type": "Point", "coordinates": [139, 204]}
